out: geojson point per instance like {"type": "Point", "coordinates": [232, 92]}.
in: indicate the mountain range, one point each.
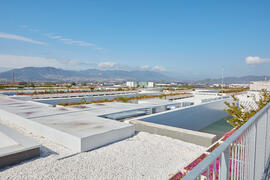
{"type": "Point", "coordinates": [55, 74]}
{"type": "Point", "coordinates": [234, 80]}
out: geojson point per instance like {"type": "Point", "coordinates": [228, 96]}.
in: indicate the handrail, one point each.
{"type": "Point", "coordinates": [204, 164]}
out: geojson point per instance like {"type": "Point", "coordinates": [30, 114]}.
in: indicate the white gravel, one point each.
{"type": "Point", "coordinates": [143, 156]}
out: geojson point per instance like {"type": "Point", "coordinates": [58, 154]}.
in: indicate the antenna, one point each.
{"type": "Point", "coordinates": [13, 78]}
{"type": "Point", "coordinates": [222, 78]}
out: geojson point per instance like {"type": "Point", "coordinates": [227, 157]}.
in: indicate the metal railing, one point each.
{"type": "Point", "coordinates": [244, 155]}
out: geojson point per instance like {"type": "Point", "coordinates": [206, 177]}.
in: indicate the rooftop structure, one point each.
{"type": "Point", "coordinates": [77, 130]}
{"type": "Point", "coordinates": [244, 155]}
{"type": "Point", "coordinates": [140, 84]}
{"type": "Point", "coordinates": [64, 131]}
{"type": "Point", "coordinates": [15, 147]}
{"type": "Point", "coordinates": [259, 85]}
{"type": "Point", "coordinates": [143, 156]}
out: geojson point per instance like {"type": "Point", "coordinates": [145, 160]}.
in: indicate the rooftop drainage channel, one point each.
{"type": "Point", "coordinates": [214, 99]}
{"type": "Point", "coordinates": [127, 114]}
{"type": "Point", "coordinates": [120, 116]}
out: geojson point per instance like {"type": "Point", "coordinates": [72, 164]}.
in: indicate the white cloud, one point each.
{"type": "Point", "coordinates": [23, 26]}
{"type": "Point", "coordinates": [19, 38]}
{"type": "Point", "coordinates": [54, 36]}
{"type": "Point", "coordinates": [159, 68]}
{"type": "Point", "coordinates": [73, 42]}
{"type": "Point", "coordinates": [12, 61]}
{"type": "Point", "coordinates": [154, 68]}
{"type": "Point", "coordinates": [79, 43]}
{"type": "Point", "coordinates": [107, 65]}
{"type": "Point", "coordinates": [73, 63]}
{"type": "Point", "coordinates": [145, 67]}
{"type": "Point", "coordinates": [256, 60]}
{"type": "Point", "coordinates": [34, 30]}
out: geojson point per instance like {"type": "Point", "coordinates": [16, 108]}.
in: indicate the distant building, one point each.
{"type": "Point", "coordinates": [131, 84]}
{"type": "Point", "coordinates": [238, 85]}
{"type": "Point", "coordinates": [163, 85]}
{"type": "Point", "coordinates": [150, 84]}
{"type": "Point", "coordinates": [259, 85]}
{"type": "Point", "coordinates": [139, 84]}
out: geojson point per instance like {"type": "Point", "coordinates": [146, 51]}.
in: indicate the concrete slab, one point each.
{"type": "Point", "coordinates": [191, 117]}
{"type": "Point", "coordinates": [6, 141]}
{"type": "Point", "coordinates": [15, 147]}
{"type": "Point", "coordinates": [76, 129]}
{"type": "Point", "coordinates": [195, 137]}
{"type": "Point", "coordinates": [184, 123]}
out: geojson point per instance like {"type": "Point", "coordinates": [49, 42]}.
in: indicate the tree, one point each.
{"type": "Point", "coordinates": [83, 101]}
{"type": "Point", "coordinates": [2, 86]}
{"type": "Point", "coordinates": [92, 88]}
{"type": "Point", "coordinates": [68, 87]}
{"type": "Point", "coordinates": [32, 85]}
{"type": "Point", "coordinates": [123, 99]}
{"type": "Point", "coordinates": [240, 115]}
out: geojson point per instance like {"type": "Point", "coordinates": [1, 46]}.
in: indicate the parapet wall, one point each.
{"type": "Point", "coordinates": [195, 137]}
{"type": "Point", "coordinates": [185, 123]}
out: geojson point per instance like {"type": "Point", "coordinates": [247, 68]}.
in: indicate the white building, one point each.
{"type": "Point", "coordinates": [131, 84]}
{"type": "Point", "coordinates": [139, 84]}
{"type": "Point", "coordinates": [150, 84]}
{"type": "Point", "coordinates": [239, 85]}
{"type": "Point", "coordinates": [259, 85]}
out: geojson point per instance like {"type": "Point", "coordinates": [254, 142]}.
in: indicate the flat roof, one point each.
{"type": "Point", "coordinates": [13, 142]}
{"type": "Point", "coordinates": [76, 125]}
{"type": "Point", "coordinates": [143, 156]}
{"type": "Point", "coordinates": [77, 129]}
{"type": "Point", "coordinates": [15, 147]}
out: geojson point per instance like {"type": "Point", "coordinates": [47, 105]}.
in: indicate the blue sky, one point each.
{"type": "Point", "coordinates": [185, 38]}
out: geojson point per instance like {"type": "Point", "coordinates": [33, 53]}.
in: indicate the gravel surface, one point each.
{"type": "Point", "coordinates": [143, 156]}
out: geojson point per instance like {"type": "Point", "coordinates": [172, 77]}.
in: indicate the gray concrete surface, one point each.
{"type": "Point", "coordinates": [195, 137]}
{"type": "Point", "coordinates": [15, 147]}
{"type": "Point", "coordinates": [191, 117]}
{"type": "Point", "coordinates": [75, 129]}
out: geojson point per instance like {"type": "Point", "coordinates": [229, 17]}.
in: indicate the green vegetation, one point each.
{"type": "Point", "coordinates": [178, 88]}
{"type": "Point", "coordinates": [233, 90]}
{"type": "Point", "coordinates": [240, 115]}
{"type": "Point", "coordinates": [83, 101]}
{"type": "Point", "coordinates": [2, 86]}
{"type": "Point", "coordinates": [32, 85]}
{"type": "Point", "coordinates": [121, 99]}
{"type": "Point", "coordinates": [92, 88]}
{"type": "Point", "coordinates": [47, 85]}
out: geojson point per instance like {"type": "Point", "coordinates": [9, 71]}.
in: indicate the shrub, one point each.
{"type": "Point", "coordinates": [2, 86]}
{"type": "Point", "coordinates": [123, 99]}
{"type": "Point", "coordinates": [240, 115]}
{"type": "Point", "coordinates": [83, 101]}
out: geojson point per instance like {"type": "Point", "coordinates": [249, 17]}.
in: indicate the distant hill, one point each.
{"type": "Point", "coordinates": [235, 80]}
{"type": "Point", "coordinates": [55, 74]}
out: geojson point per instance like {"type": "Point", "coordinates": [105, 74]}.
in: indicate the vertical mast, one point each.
{"type": "Point", "coordinates": [13, 78]}
{"type": "Point", "coordinates": [222, 78]}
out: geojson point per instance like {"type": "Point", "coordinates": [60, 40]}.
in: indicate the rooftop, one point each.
{"type": "Point", "coordinates": [59, 129]}
{"type": "Point", "coordinates": [143, 156]}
